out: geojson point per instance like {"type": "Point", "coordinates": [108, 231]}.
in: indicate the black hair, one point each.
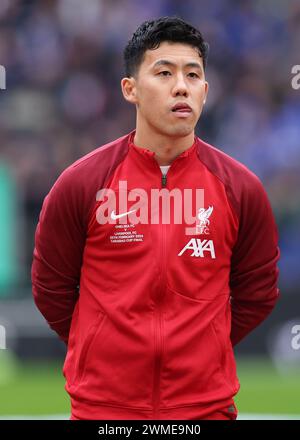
{"type": "Point", "coordinates": [151, 33]}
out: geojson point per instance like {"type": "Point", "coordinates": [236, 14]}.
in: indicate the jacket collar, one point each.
{"type": "Point", "coordinates": [146, 152]}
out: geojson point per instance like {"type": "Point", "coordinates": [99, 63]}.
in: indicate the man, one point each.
{"type": "Point", "coordinates": [149, 300]}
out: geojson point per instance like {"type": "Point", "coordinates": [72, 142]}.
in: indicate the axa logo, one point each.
{"type": "Point", "coordinates": [203, 217]}
{"type": "Point", "coordinates": [198, 247]}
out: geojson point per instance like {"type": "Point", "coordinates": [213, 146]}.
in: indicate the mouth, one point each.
{"type": "Point", "coordinates": [181, 109]}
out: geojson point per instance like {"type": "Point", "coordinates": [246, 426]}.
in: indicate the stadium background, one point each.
{"type": "Point", "coordinates": [63, 61]}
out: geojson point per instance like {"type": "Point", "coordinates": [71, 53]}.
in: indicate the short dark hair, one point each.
{"type": "Point", "coordinates": [151, 33]}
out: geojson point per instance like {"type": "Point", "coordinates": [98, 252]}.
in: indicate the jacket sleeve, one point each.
{"type": "Point", "coordinates": [57, 256]}
{"type": "Point", "coordinates": [254, 271]}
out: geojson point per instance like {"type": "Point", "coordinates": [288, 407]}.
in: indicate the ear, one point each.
{"type": "Point", "coordinates": [129, 89]}
{"type": "Point", "coordinates": [205, 92]}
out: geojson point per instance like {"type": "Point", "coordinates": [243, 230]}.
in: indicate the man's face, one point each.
{"type": "Point", "coordinates": [171, 74]}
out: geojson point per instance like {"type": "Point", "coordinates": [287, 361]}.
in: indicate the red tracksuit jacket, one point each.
{"type": "Point", "coordinates": [150, 314]}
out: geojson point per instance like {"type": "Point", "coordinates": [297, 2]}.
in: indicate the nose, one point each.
{"type": "Point", "coordinates": [180, 87]}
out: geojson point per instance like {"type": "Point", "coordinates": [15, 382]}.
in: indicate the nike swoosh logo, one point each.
{"type": "Point", "coordinates": [115, 216]}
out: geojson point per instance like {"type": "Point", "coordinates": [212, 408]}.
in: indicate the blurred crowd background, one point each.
{"type": "Point", "coordinates": [63, 61]}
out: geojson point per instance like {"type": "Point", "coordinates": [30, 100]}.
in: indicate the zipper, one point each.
{"type": "Point", "coordinates": [159, 331]}
{"type": "Point", "coordinates": [158, 321]}
{"type": "Point", "coordinates": [158, 325]}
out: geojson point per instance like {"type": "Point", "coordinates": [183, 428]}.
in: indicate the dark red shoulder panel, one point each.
{"type": "Point", "coordinates": [254, 272]}
{"type": "Point", "coordinates": [61, 233]}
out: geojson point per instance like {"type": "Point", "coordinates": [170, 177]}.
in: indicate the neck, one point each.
{"type": "Point", "coordinates": [166, 148]}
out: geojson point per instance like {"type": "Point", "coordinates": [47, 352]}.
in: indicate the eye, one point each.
{"type": "Point", "coordinates": [164, 73]}
{"type": "Point", "coordinates": [194, 75]}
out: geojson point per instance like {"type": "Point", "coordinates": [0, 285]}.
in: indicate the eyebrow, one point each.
{"type": "Point", "coordinates": [170, 63]}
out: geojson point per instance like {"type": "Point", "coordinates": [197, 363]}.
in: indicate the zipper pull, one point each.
{"type": "Point", "coordinates": [164, 179]}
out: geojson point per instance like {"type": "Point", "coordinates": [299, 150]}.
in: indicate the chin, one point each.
{"type": "Point", "coordinates": [175, 130]}
{"type": "Point", "coordinates": [181, 130]}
